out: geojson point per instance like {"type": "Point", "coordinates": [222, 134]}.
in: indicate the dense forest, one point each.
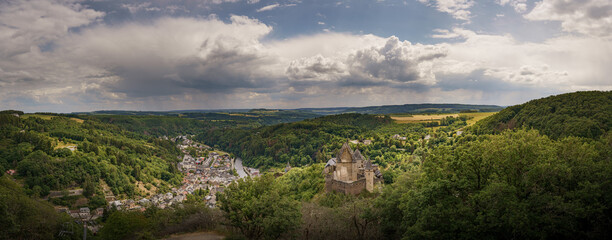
{"type": "Point", "coordinates": [538, 170]}
{"type": "Point", "coordinates": [316, 140]}
{"type": "Point", "coordinates": [168, 123]}
{"type": "Point", "coordinates": [309, 141]}
{"type": "Point", "coordinates": [581, 114]}
{"type": "Point", "coordinates": [513, 184]}
{"type": "Point", "coordinates": [37, 146]}
{"type": "Point", "coordinates": [22, 217]}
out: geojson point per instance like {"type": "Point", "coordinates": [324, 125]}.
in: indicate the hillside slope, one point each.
{"type": "Point", "coordinates": [24, 218]}
{"type": "Point", "coordinates": [581, 114]}
{"type": "Point", "coordinates": [53, 153]}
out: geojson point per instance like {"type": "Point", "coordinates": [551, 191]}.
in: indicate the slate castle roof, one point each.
{"type": "Point", "coordinates": [355, 155]}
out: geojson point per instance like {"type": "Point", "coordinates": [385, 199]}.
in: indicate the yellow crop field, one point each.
{"type": "Point", "coordinates": [77, 120]}
{"type": "Point", "coordinates": [422, 118]}
{"type": "Point", "coordinates": [477, 116]}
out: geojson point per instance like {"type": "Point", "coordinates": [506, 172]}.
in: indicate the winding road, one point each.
{"type": "Point", "coordinates": [239, 168]}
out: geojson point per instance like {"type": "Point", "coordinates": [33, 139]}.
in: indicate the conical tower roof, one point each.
{"type": "Point", "coordinates": [345, 148]}
{"type": "Point", "coordinates": [357, 156]}
{"type": "Point", "coordinates": [368, 164]}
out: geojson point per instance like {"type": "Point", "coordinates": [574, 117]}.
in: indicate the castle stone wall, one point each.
{"type": "Point", "coordinates": [345, 187]}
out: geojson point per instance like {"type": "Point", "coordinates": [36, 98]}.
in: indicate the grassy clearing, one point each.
{"type": "Point", "coordinates": [400, 115]}
{"type": "Point", "coordinates": [49, 117]}
{"type": "Point", "coordinates": [144, 191]}
{"type": "Point", "coordinates": [61, 144]}
{"type": "Point", "coordinates": [221, 153]}
{"type": "Point", "coordinates": [44, 117]}
{"type": "Point", "coordinates": [77, 120]}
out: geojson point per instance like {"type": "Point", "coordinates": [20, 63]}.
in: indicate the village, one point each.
{"type": "Point", "coordinates": [211, 173]}
{"type": "Point", "coordinates": [208, 172]}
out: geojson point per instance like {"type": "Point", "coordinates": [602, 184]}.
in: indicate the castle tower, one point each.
{"type": "Point", "coordinates": [344, 165]}
{"type": "Point", "coordinates": [357, 163]}
{"type": "Point", "coordinates": [369, 176]}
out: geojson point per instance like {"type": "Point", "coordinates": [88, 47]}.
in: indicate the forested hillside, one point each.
{"type": "Point", "coordinates": [515, 184]}
{"type": "Point", "coordinates": [581, 114]}
{"type": "Point", "coordinates": [156, 125]}
{"type": "Point", "coordinates": [22, 217]}
{"type": "Point", "coordinates": [316, 140]}
{"type": "Point", "coordinates": [169, 123]}
{"type": "Point", "coordinates": [538, 170]}
{"type": "Point", "coordinates": [56, 153]}
{"type": "Point", "coordinates": [299, 143]}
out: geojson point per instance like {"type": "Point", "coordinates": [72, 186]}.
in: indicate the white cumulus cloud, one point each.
{"type": "Point", "coordinates": [591, 17]}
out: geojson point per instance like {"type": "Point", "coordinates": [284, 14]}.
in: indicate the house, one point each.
{"type": "Point", "coordinates": [85, 215]}
{"type": "Point", "coordinates": [11, 172]}
{"type": "Point", "coordinates": [367, 142]}
{"type": "Point", "coordinates": [63, 209]}
{"type": "Point", "coordinates": [398, 137]}
{"type": "Point", "coordinates": [116, 204]}
{"type": "Point", "coordinates": [99, 211]}
{"type": "Point", "coordinates": [144, 201]}
{"type": "Point", "coordinates": [84, 210]}
{"type": "Point", "coordinates": [75, 214]}
{"type": "Point", "coordinates": [130, 203]}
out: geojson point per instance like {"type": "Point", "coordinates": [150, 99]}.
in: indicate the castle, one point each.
{"type": "Point", "coordinates": [349, 172]}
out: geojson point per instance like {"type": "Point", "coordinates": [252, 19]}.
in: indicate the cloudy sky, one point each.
{"type": "Point", "coordinates": [71, 55]}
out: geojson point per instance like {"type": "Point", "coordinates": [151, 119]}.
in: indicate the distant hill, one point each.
{"type": "Point", "coordinates": [582, 114]}
{"type": "Point", "coordinates": [246, 118]}
{"type": "Point", "coordinates": [407, 108]}
{"type": "Point", "coordinates": [305, 113]}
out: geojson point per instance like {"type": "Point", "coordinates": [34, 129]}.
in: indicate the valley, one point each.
{"type": "Point", "coordinates": [162, 172]}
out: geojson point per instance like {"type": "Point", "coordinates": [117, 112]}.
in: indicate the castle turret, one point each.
{"type": "Point", "coordinates": [288, 167]}
{"type": "Point", "coordinates": [369, 176]}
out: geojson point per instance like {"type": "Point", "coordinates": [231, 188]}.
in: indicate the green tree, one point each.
{"type": "Point", "coordinates": [126, 225]}
{"type": "Point", "coordinates": [259, 208]}
{"type": "Point", "coordinates": [89, 188]}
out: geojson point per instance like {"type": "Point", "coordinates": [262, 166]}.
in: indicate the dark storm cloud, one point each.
{"type": "Point", "coordinates": [390, 62]}
{"type": "Point", "coordinates": [172, 56]}
{"type": "Point", "coordinates": [86, 55]}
